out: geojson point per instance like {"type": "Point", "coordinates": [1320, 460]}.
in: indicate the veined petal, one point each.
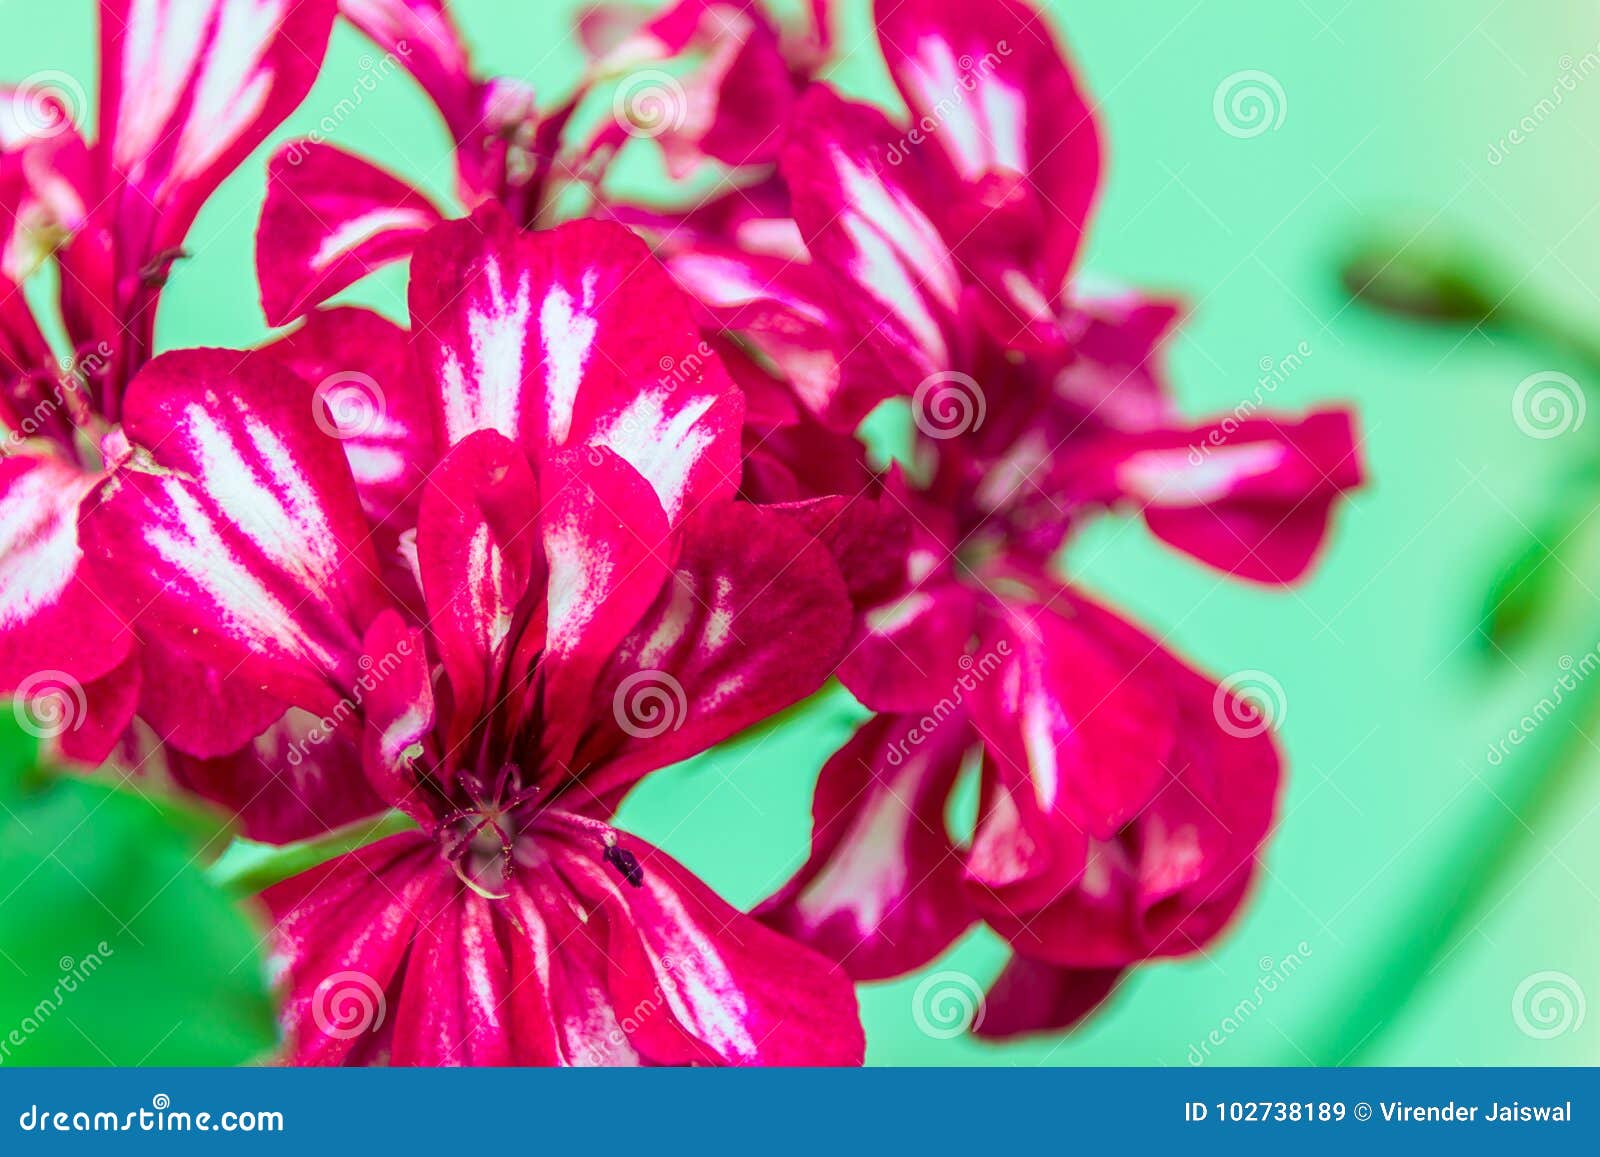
{"type": "Point", "coordinates": [882, 892]}
{"type": "Point", "coordinates": [1090, 728]}
{"type": "Point", "coordinates": [735, 992]}
{"type": "Point", "coordinates": [241, 542]}
{"type": "Point", "coordinates": [478, 552]}
{"type": "Point", "coordinates": [423, 37]}
{"type": "Point", "coordinates": [989, 84]}
{"type": "Point", "coordinates": [1251, 496]}
{"type": "Point", "coordinates": [870, 212]}
{"type": "Point", "coordinates": [330, 218]}
{"type": "Point", "coordinates": [753, 621]}
{"type": "Point", "coordinates": [609, 553]}
{"type": "Point", "coordinates": [574, 336]}
{"type": "Point", "coordinates": [375, 406]}
{"type": "Point", "coordinates": [190, 87]}
{"type": "Point", "coordinates": [51, 619]}
{"type": "Point", "coordinates": [301, 777]}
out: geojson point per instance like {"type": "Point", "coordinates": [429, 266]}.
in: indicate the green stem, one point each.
{"type": "Point", "coordinates": [1443, 908]}
{"type": "Point", "coordinates": [247, 867]}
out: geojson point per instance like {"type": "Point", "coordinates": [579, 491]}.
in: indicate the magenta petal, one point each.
{"type": "Point", "coordinates": [1169, 882]}
{"type": "Point", "coordinates": [101, 718]}
{"type": "Point", "coordinates": [422, 36]}
{"type": "Point", "coordinates": [376, 406]}
{"type": "Point", "coordinates": [395, 692]}
{"type": "Point", "coordinates": [869, 213]}
{"type": "Point", "coordinates": [1251, 496]}
{"type": "Point", "coordinates": [330, 218]}
{"type": "Point", "coordinates": [1089, 726]}
{"type": "Point", "coordinates": [882, 891]}
{"type": "Point", "coordinates": [1015, 132]}
{"type": "Point", "coordinates": [574, 336]}
{"type": "Point", "coordinates": [302, 776]}
{"type": "Point", "coordinates": [188, 90]}
{"type": "Point", "coordinates": [735, 992]}
{"type": "Point", "coordinates": [913, 650]}
{"type": "Point", "coordinates": [342, 932]}
{"type": "Point", "coordinates": [478, 553]}
{"type": "Point", "coordinates": [1032, 996]}
{"type": "Point", "coordinates": [51, 620]}
{"type": "Point", "coordinates": [609, 553]}
{"type": "Point", "coordinates": [455, 1005]}
{"type": "Point", "coordinates": [236, 711]}
{"type": "Point", "coordinates": [754, 620]}
{"type": "Point", "coordinates": [243, 542]}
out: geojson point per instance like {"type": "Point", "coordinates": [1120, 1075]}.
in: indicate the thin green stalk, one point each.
{"type": "Point", "coordinates": [1444, 909]}
{"type": "Point", "coordinates": [247, 867]}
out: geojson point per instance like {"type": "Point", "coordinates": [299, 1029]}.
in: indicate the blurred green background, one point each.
{"type": "Point", "coordinates": [1390, 115]}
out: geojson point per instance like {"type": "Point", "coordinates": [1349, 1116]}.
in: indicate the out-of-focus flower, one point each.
{"type": "Point", "coordinates": [1121, 807]}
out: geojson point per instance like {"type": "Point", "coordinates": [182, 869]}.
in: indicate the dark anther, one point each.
{"type": "Point", "coordinates": [626, 864]}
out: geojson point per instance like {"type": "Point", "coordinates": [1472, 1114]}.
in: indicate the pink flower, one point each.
{"type": "Point", "coordinates": [1122, 803]}
{"type": "Point", "coordinates": [589, 603]}
{"type": "Point", "coordinates": [186, 92]}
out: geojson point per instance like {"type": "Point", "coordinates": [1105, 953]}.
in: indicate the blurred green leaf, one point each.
{"type": "Point", "coordinates": [1549, 578]}
{"type": "Point", "coordinates": [114, 946]}
{"type": "Point", "coordinates": [1424, 276]}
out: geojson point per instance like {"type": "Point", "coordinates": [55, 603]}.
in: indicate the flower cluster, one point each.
{"type": "Point", "coordinates": [605, 499]}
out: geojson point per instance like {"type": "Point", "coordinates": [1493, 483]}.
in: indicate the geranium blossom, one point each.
{"type": "Point", "coordinates": [591, 603]}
